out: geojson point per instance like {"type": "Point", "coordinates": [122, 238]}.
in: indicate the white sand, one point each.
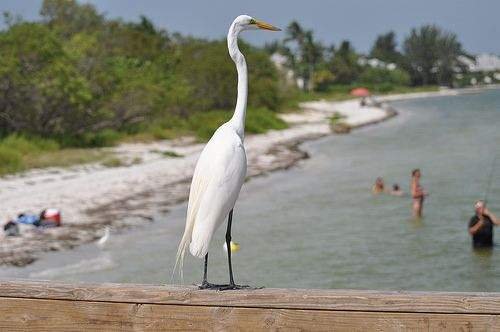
{"type": "Point", "coordinates": [75, 190]}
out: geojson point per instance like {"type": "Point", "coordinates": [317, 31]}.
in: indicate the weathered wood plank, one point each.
{"type": "Point", "coordinates": [66, 315]}
{"type": "Point", "coordinates": [340, 300]}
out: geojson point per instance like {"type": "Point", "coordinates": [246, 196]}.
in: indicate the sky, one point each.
{"type": "Point", "coordinates": [476, 22]}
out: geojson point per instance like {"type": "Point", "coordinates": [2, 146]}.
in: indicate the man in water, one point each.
{"type": "Point", "coordinates": [481, 226]}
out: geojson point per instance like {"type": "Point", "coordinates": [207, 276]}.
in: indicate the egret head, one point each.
{"type": "Point", "coordinates": [245, 22]}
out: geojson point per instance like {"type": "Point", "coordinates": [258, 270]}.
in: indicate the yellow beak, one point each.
{"type": "Point", "coordinates": [266, 26]}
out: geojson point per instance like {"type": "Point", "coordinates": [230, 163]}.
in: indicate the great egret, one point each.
{"type": "Point", "coordinates": [102, 241]}
{"type": "Point", "coordinates": [221, 169]}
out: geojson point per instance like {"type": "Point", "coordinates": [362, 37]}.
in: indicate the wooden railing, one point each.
{"type": "Point", "coordinates": [54, 306]}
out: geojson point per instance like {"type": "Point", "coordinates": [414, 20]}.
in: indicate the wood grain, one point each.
{"type": "Point", "coordinates": [339, 300]}
{"type": "Point", "coordinates": [66, 315]}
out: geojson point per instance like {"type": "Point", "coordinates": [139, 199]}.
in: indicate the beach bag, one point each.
{"type": "Point", "coordinates": [50, 218]}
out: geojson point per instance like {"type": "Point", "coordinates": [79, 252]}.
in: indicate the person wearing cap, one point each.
{"type": "Point", "coordinates": [481, 226]}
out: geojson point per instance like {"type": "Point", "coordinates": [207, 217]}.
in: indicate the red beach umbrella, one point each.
{"type": "Point", "coordinates": [360, 92]}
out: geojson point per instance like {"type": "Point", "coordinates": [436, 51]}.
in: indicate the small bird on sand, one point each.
{"type": "Point", "coordinates": [102, 241]}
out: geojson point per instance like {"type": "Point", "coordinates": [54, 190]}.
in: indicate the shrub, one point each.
{"type": "Point", "coordinates": [258, 120]}
{"type": "Point", "coordinates": [204, 124]}
{"type": "Point", "coordinates": [382, 76]}
{"type": "Point", "coordinates": [26, 145]}
{"type": "Point", "coordinates": [106, 137]}
{"type": "Point", "coordinates": [103, 138]}
{"type": "Point", "coordinates": [261, 120]}
{"type": "Point", "coordinates": [10, 160]}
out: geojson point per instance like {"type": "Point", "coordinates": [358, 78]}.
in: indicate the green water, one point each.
{"type": "Point", "coordinates": [318, 225]}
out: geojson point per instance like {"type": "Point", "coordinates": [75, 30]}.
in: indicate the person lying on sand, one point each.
{"type": "Point", "coordinates": [11, 228]}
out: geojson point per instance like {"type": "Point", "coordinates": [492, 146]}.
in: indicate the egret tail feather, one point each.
{"type": "Point", "coordinates": [179, 260]}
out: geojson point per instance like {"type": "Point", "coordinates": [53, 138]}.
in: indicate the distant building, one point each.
{"type": "Point", "coordinates": [376, 63]}
{"type": "Point", "coordinates": [482, 62]}
{"type": "Point", "coordinates": [280, 62]}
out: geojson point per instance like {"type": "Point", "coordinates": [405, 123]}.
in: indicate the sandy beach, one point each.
{"type": "Point", "coordinates": [93, 196]}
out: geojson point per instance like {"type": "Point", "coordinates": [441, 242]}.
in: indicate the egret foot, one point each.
{"type": "Point", "coordinates": [235, 287]}
{"type": "Point", "coordinates": [223, 287]}
{"type": "Point", "coordinates": [208, 285]}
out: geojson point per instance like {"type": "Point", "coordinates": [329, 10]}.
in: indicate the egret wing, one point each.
{"type": "Point", "coordinates": [227, 176]}
{"type": "Point", "coordinates": [216, 183]}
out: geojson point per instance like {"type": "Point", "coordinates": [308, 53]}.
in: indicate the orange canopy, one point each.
{"type": "Point", "coordinates": [360, 92]}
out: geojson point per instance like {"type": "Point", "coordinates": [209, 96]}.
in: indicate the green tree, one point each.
{"type": "Point", "coordinates": [378, 76]}
{"type": "Point", "coordinates": [344, 64]}
{"type": "Point", "coordinates": [431, 55]}
{"type": "Point", "coordinates": [69, 17]}
{"type": "Point", "coordinates": [305, 55]}
{"type": "Point", "coordinates": [40, 87]}
{"type": "Point", "coordinates": [211, 76]}
{"type": "Point", "coordinates": [79, 77]}
{"type": "Point", "coordinates": [384, 48]}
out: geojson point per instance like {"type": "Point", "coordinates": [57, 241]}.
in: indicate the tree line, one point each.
{"type": "Point", "coordinates": [76, 75]}
{"type": "Point", "coordinates": [429, 56]}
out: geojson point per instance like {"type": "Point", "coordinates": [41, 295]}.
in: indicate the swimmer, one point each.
{"type": "Point", "coordinates": [417, 193]}
{"type": "Point", "coordinates": [396, 190]}
{"type": "Point", "coordinates": [378, 187]}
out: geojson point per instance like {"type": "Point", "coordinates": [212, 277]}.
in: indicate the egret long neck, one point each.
{"type": "Point", "coordinates": [238, 119]}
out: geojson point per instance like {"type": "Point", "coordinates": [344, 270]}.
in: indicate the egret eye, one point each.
{"type": "Point", "coordinates": [252, 21]}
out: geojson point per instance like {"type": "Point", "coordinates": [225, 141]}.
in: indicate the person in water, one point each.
{"type": "Point", "coordinates": [396, 190]}
{"type": "Point", "coordinates": [378, 187]}
{"type": "Point", "coordinates": [417, 193]}
{"type": "Point", "coordinates": [481, 226]}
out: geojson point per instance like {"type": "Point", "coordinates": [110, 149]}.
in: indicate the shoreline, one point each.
{"type": "Point", "coordinates": [128, 196]}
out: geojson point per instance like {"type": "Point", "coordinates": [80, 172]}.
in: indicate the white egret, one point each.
{"type": "Point", "coordinates": [102, 241]}
{"type": "Point", "coordinates": [221, 168]}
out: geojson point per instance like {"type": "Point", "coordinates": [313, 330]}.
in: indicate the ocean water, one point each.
{"type": "Point", "coordinates": [317, 225]}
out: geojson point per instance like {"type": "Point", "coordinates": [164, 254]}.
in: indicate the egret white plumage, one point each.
{"type": "Point", "coordinates": [102, 241]}
{"type": "Point", "coordinates": [221, 168]}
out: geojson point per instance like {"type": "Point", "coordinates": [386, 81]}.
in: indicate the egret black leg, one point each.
{"type": "Point", "coordinates": [205, 270]}
{"type": "Point", "coordinates": [231, 285]}
{"type": "Point", "coordinates": [205, 284]}
{"type": "Point", "coordinates": [228, 245]}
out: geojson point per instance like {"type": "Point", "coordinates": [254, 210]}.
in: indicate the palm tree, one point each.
{"type": "Point", "coordinates": [344, 63]}
{"type": "Point", "coordinates": [305, 56]}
